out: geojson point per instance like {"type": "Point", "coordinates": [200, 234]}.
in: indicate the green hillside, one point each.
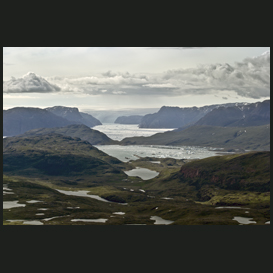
{"type": "Point", "coordinates": [81, 131]}
{"type": "Point", "coordinates": [238, 179]}
{"type": "Point", "coordinates": [250, 171]}
{"type": "Point", "coordinates": [59, 157]}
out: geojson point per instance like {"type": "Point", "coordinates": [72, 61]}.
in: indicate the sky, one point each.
{"type": "Point", "coordinates": [113, 78]}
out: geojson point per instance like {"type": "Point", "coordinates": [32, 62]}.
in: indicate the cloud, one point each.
{"type": "Point", "coordinates": [29, 83]}
{"type": "Point", "coordinates": [249, 78]}
{"type": "Point", "coordinates": [118, 92]}
{"type": "Point", "coordinates": [160, 85]}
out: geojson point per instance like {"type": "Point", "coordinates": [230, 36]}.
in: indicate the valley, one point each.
{"type": "Point", "coordinates": [121, 174]}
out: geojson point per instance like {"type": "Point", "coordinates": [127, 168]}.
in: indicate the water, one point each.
{"type": "Point", "coordinates": [47, 219]}
{"type": "Point", "coordinates": [230, 207]}
{"type": "Point", "coordinates": [120, 131]}
{"type": "Point", "coordinates": [84, 194]}
{"type": "Point", "coordinates": [7, 190]}
{"type": "Point", "coordinates": [119, 213]}
{"type": "Point", "coordinates": [143, 173]}
{"type": "Point", "coordinates": [12, 204]}
{"type": "Point", "coordinates": [160, 221]}
{"type": "Point", "coordinates": [244, 220]}
{"type": "Point", "coordinates": [26, 222]}
{"type": "Point", "coordinates": [100, 220]}
{"type": "Point", "coordinates": [133, 152]}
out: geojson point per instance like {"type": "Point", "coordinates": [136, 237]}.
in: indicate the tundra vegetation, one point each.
{"type": "Point", "coordinates": [186, 192]}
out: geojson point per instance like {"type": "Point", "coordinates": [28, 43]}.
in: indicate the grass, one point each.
{"type": "Point", "coordinates": [179, 210]}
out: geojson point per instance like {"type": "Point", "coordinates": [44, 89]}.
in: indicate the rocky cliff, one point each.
{"type": "Point", "coordinates": [176, 117]}
{"type": "Point", "coordinates": [73, 114]}
{"type": "Point", "coordinates": [135, 119]}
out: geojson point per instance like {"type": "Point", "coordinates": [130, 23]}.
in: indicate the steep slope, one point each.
{"type": "Point", "coordinates": [81, 131]}
{"type": "Point", "coordinates": [176, 117]}
{"type": "Point", "coordinates": [249, 172]}
{"type": "Point", "coordinates": [253, 114]}
{"type": "Point", "coordinates": [134, 119]}
{"type": "Point", "coordinates": [89, 120]}
{"type": "Point", "coordinates": [247, 138]}
{"type": "Point", "coordinates": [73, 114]}
{"type": "Point", "coordinates": [21, 119]}
{"type": "Point", "coordinates": [56, 156]}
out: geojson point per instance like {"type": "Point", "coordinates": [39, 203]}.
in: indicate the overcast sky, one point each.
{"type": "Point", "coordinates": [146, 77]}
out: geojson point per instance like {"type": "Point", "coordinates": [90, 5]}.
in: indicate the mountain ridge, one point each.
{"type": "Point", "coordinates": [133, 119]}
{"type": "Point", "coordinates": [177, 117]}
{"type": "Point", "coordinates": [18, 120]}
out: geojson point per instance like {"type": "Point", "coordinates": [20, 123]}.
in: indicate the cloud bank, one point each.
{"type": "Point", "coordinates": [29, 83]}
{"type": "Point", "coordinates": [248, 78]}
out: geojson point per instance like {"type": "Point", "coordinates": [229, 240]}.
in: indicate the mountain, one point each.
{"type": "Point", "coordinates": [246, 138]}
{"type": "Point", "coordinates": [229, 180]}
{"type": "Point", "coordinates": [176, 117]}
{"type": "Point", "coordinates": [110, 115]}
{"type": "Point", "coordinates": [253, 114]}
{"type": "Point", "coordinates": [249, 172]}
{"type": "Point", "coordinates": [81, 131]}
{"type": "Point", "coordinates": [21, 119]}
{"type": "Point", "coordinates": [73, 114]}
{"type": "Point", "coordinates": [59, 157]}
{"type": "Point", "coordinates": [135, 119]}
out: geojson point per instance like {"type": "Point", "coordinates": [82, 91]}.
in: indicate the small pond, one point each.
{"type": "Point", "coordinates": [100, 220]}
{"type": "Point", "coordinates": [119, 212]}
{"type": "Point", "coordinates": [143, 173]}
{"type": "Point", "coordinates": [12, 204]}
{"type": "Point", "coordinates": [160, 221]}
{"type": "Point", "coordinates": [26, 222]}
{"type": "Point", "coordinates": [244, 220]}
{"type": "Point", "coordinates": [85, 194]}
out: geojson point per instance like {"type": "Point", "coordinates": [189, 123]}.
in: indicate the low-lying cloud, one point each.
{"type": "Point", "coordinates": [248, 78]}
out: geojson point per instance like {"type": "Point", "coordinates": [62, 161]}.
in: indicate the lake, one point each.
{"type": "Point", "coordinates": [143, 173]}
